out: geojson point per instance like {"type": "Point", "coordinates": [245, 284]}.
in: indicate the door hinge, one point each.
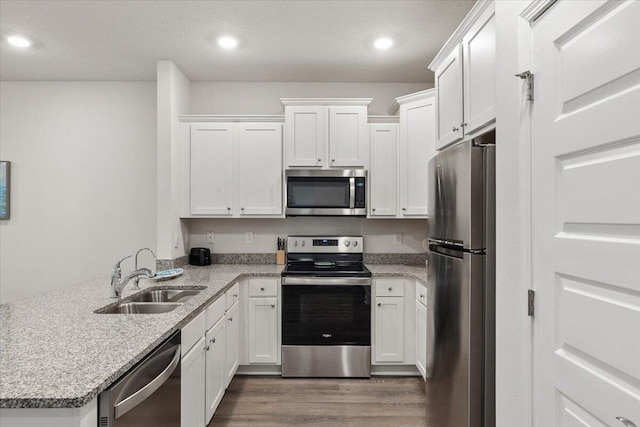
{"type": "Point", "coordinates": [531, 296]}
{"type": "Point", "coordinates": [528, 76]}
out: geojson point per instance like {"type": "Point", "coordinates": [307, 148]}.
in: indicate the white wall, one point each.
{"type": "Point", "coordinates": [264, 97]}
{"type": "Point", "coordinates": [511, 217]}
{"type": "Point", "coordinates": [378, 234]}
{"type": "Point", "coordinates": [83, 180]}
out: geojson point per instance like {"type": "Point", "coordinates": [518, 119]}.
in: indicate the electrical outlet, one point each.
{"type": "Point", "coordinates": [248, 237]}
{"type": "Point", "coordinates": [397, 238]}
{"type": "Point", "coordinates": [175, 240]}
{"type": "Point", "coordinates": [211, 237]}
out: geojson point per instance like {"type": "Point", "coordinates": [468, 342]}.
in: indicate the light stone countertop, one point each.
{"type": "Point", "coordinates": [55, 352]}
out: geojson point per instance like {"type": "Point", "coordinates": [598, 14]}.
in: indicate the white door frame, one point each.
{"type": "Point", "coordinates": [527, 17]}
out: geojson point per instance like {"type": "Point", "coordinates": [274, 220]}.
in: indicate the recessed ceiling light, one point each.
{"type": "Point", "coordinates": [19, 41]}
{"type": "Point", "coordinates": [227, 42]}
{"type": "Point", "coordinates": [383, 43]}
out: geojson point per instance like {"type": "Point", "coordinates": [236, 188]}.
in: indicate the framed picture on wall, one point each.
{"type": "Point", "coordinates": [5, 190]}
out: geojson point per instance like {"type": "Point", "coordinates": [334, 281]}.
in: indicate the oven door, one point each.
{"type": "Point", "coordinates": [326, 311]}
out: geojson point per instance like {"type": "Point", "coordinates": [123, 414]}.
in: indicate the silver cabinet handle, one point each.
{"type": "Point", "coordinates": [626, 422]}
{"type": "Point", "coordinates": [404, 209]}
{"type": "Point", "coordinates": [273, 306]}
{"type": "Point", "coordinates": [455, 129]}
{"type": "Point", "coordinates": [379, 304]}
{"type": "Point", "coordinates": [421, 295]}
{"type": "Point", "coordinates": [373, 209]}
{"type": "Point", "coordinates": [242, 209]}
{"type": "Point", "coordinates": [390, 289]}
{"type": "Point", "coordinates": [228, 208]}
{"type": "Point", "coordinates": [262, 289]}
{"type": "Point", "coordinates": [206, 348]}
{"type": "Point", "coordinates": [333, 160]}
{"type": "Point", "coordinates": [230, 319]}
{"type": "Point", "coordinates": [319, 159]}
{"type": "Point", "coordinates": [462, 125]}
{"type": "Point", "coordinates": [212, 340]}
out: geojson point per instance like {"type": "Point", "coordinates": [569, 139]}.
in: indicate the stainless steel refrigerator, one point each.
{"type": "Point", "coordinates": [460, 386]}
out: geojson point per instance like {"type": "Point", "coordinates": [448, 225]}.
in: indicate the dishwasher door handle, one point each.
{"type": "Point", "coordinates": [139, 396]}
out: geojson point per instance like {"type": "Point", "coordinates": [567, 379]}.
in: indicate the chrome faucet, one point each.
{"type": "Point", "coordinates": [118, 283]}
{"type": "Point", "coordinates": [136, 280]}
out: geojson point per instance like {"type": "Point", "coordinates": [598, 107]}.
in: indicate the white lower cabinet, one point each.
{"type": "Point", "coordinates": [263, 330]}
{"type": "Point", "coordinates": [421, 330]}
{"type": "Point", "coordinates": [215, 367]}
{"type": "Point", "coordinates": [232, 342]}
{"type": "Point", "coordinates": [192, 388]}
{"type": "Point", "coordinates": [394, 322]}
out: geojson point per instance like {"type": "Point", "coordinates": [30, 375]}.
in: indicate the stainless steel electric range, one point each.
{"type": "Point", "coordinates": [326, 308]}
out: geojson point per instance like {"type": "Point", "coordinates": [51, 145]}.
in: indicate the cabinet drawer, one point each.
{"type": "Point", "coordinates": [232, 295]}
{"type": "Point", "coordinates": [263, 287]}
{"type": "Point", "coordinates": [389, 287]}
{"type": "Point", "coordinates": [192, 332]}
{"type": "Point", "coordinates": [421, 293]}
{"type": "Point", "coordinates": [215, 311]}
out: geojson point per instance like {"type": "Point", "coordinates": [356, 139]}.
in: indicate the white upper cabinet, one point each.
{"type": "Point", "coordinates": [465, 78]}
{"type": "Point", "coordinates": [479, 72]}
{"type": "Point", "coordinates": [306, 135]}
{"type": "Point", "coordinates": [417, 146]}
{"type": "Point", "coordinates": [449, 111]}
{"type": "Point", "coordinates": [348, 139]}
{"type": "Point", "coordinates": [235, 169]}
{"type": "Point", "coordinates": [259, 168]}
{"type": "Point", "coordinates": [383, 172]}
{"type": "Point", "coordinates": [211, 169]}
{"type": "Point", "coordinates": [326, 133]}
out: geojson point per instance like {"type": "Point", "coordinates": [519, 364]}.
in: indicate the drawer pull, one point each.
{"type": "Point", "coordinates": [262, 289]}
{"type": "Point", "coordinates": [206, 348]}
{"type": "Point", "coordinates": [212, 340]}
{"type": "Point", "coordinates": [379, 304]}
{"type": "Point", "coordinates": [273, 306]}
{"type": "Point", "coordinates": [421, 295]}
{"type": "Point", "coordinates": [390, 289]}
{"type": "Point", "coordinates": [230, 319]}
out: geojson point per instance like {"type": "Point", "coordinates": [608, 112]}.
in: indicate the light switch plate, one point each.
{"type": "Point", "coordinates": [248, 237]}
{"type": "Point", "coordinates": [397, 238]}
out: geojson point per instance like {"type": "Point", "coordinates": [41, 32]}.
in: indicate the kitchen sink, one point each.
{"type": "Point", "coordinates": [166, 295]}
{"type": "Point", "coordinates": [140, 308]}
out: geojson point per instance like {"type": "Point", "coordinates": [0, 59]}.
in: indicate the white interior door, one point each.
{"type": "Point", "coordinates": [586, 214]}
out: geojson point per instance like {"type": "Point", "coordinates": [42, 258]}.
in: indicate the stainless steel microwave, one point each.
{"type": "Point", "coordinates": [326, 192]}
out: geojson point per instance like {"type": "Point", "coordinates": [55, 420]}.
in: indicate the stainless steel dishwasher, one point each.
{"type": "Point", "coordinates": [147, 395]}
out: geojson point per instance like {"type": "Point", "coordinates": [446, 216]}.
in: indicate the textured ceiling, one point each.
{"type": "Point", "coordinates": [295, 40]}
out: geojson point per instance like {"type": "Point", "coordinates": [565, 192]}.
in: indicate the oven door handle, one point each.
{"type": "Point", "coordinates": [330, 281]}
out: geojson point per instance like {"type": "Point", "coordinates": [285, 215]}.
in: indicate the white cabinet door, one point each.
{"type": "Point", "coordinates": [479, 65]}
{"type": "Point", "coordinates": [211, 169]}
{"type": "Point", "coordinates": [192, 387]}
{"type": "Point", "coordinates": [263, 330]}
{"type": "Point", "coordinates": [448, 79]}
{"type": "Point", "coordinates": [421, 338]}
{"type": "Point", "coordinates": [383, 170]}
{"type": "Point", "coordinates": [232, 342]}
{"type": "Point", "coordinates": [389, 329]}
{"type": "Point", "coordinates": [259, 168]}
{"type": "Point", "coordinates": [305, 135]}
{"type": "Point", "coordinates": [215, 368]}
{"type": "Point", "coordinates": [348, 137]}
{"type": "Point", "coordinates": [417, 146]}
{"type": "Point", "coordinates": [585, 151]}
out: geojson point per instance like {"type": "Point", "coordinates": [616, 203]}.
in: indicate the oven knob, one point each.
{"type": "Point", "coordinates": [347, 243]}
{"type": "Point", "coordinates": [302, 243]}
{"type": "Point", "coordinates": [355, 243]}
{"type": "Point", "coordinates": [295, 243]}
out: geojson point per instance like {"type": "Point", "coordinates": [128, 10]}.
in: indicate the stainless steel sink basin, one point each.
{"type": "Point", "coordinates": [140, 308]}
{"type": "Point", "coordinates": [165, 295]}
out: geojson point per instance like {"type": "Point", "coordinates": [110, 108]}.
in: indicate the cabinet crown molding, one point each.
{"type": "Point", "coordinates": [190, 118]}
{"type": "Point", "coordinates": [458, 34]}
{"type": "Point", "coordinates": [383, 119]}
{"type": "Point", "coordinates": [417, 96]}
{"type": "Point", "coordinates": [326, 101]}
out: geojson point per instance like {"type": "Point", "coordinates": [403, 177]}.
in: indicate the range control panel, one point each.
{"type": "Point", "coordinates": [321, 244]}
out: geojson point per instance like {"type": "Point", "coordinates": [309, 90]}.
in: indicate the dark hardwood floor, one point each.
{"type": "Point", "coordinates": [275, 401]}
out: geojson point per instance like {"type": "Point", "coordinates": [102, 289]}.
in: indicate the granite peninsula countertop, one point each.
{"type": "Point", "coordinates": [55, 352]}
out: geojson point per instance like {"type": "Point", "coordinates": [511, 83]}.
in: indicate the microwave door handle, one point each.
{"type": "Point", "coordinates": [352, 192]}
{"type": "Point", "coordinates": [139, 396]}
